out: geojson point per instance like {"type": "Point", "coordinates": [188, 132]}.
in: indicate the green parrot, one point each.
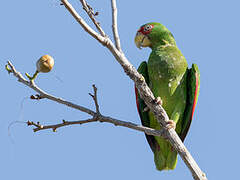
{"type": "Point", "coordinates": [173, 83]}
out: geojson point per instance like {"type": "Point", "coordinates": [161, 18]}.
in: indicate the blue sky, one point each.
{"type": "Point", "coordinates": [207, 33]}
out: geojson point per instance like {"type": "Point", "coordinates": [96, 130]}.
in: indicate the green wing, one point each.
{"type": "Point", "coordinates": [144, 115]}
{"type": "Point", "coordinates": [193, 86]}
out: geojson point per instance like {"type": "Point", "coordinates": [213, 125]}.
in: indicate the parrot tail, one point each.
{"type": "Point", "coordinates": [165, 160]}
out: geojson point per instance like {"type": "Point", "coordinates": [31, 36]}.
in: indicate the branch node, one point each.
{"type": "Point", "coordinates": [91, 95]}
{"type": "Point", "coordinates": [106, 42]}
{"type": "Point", "coordinates": [36, 97]}
{"type": "Point", "coordinates": [31, 78]}
{"type": "Point", "coordinates": [29, 123]}
{"type": "Point", "coordinates": [37, 125]}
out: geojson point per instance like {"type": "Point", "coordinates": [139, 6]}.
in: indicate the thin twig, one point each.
{"type": "Point", "coordinates": [101, 118]}
{"type": "Point", "coordinates": [55, 126]}
{"type": "Point", "coordinates": [43, 94]}
{"type": "Point", "coordinates": [91, 14]}
{"type": "Point", "coordinates": [85, 26]}
{"type": "Point", "coordinates": [95, 99]}
{"type": "Point", "coordinates": [148, 97]}
{"type": "Point", "coordinates": [115, 26]}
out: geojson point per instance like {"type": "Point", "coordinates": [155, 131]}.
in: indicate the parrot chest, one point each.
{"type": "Point", "coordinates": [166, 69]}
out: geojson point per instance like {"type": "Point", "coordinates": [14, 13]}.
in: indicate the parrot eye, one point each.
{"type": "Point", "coordinates": [147, 29]}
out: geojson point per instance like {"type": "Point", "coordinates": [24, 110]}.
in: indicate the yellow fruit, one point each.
{"type": "Point", "coordinates": [45, 64]}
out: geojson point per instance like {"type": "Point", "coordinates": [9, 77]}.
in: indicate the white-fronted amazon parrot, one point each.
{"type": "Point", "coordinates": [169, 78]}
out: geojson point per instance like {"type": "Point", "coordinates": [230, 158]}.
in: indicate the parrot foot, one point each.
{"type": "Point", "coordinates": [146, 109]}
{"type": "Point", "coordinates": [158, 100]}
{"type": "Point", "coordinates": [142, 78]}
{"type": "Point", "coordinates": [171, 124]}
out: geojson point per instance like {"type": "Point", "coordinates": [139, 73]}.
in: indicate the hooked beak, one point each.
{"type": "Point", "coordinates": [142, 40]}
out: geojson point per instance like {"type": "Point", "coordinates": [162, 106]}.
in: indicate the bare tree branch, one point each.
{"type": "Point", "coordinates": [54, 127]}
{"type": "Point", "coordinates": [149, 99]}
{"type": "Point", "coordinates": [115, 26]}
{"type": "Point", "coordinates": [85, 26]}
{"type": "Point", "coordinates": [96, 115]}
{"type": "Point", "coordinates": [101, 118]}
{"type": "Point", "coordinates": [43, 94]}
{"type": "Point", "coordinates": [91, 14]}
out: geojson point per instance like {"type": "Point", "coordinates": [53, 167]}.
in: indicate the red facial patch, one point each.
{"type": "Point", "coordinates": [146, 29]}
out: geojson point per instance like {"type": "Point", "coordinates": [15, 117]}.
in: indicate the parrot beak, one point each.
{"type": "Point", "coordinates": [142, 40]}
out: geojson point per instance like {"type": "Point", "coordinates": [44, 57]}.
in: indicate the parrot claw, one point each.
{"type": "Point", "coordinates": [146, 109]}
{"type": "Point", "coordinates": [158, 101]}
{"type": "Point", "coordinates": [171, 124]}
{"type": "Point", "coordinates": [142, 78]}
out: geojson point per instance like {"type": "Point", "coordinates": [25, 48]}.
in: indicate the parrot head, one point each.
{"type": "Point", "coordinates": [153, 34]}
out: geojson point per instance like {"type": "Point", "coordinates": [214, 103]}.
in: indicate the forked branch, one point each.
{"type": "Point", "coordinates": [92, 14]}
{"type": "Point", "coordinates": [96, 116]}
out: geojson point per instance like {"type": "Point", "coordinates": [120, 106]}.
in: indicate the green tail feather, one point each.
{"type": "Point", "coordinates": [167, 159]}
